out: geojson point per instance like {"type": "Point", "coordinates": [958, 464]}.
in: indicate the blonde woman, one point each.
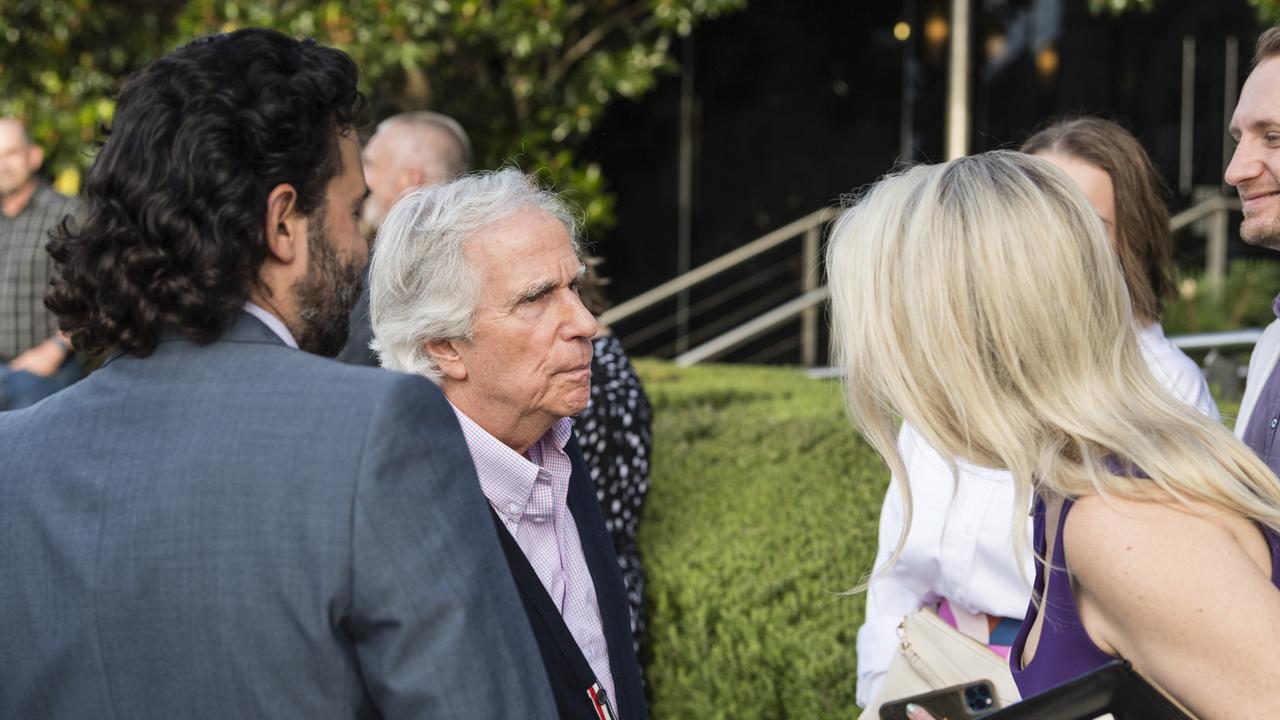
{"type": "Point", "coordinates": [957, 556]}
{"type": "Point", "coordinates": [1160, 527]}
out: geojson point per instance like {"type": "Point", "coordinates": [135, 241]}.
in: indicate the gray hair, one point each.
{"type": "Point", "coordinates": [460, 160]}
{"type": "Point", "coordinates": [421, 286]}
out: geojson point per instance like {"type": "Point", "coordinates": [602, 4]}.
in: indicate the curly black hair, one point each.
{"type": "Point", "coordinates": [172, 231]}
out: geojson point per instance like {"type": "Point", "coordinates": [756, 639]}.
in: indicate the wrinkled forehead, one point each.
{"type": "Point", "coordinates": [1259, 103]}
{"type": "Point", "coordinates": [530, 245]}
{"type": "Point", "coordinates": [12, 134]}
{"type": "Point", "coordinates": [521, 231]}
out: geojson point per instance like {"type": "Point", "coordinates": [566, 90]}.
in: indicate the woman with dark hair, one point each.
{"type": "Point", "coordinates": [617, 441]}
{"type": "Point", "coordinates": [958, 559]}
{"type": "Point", "coordinates": [1122, 185]}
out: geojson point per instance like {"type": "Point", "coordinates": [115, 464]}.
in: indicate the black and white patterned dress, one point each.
{"type": "Point", "coordinates": [617, 439]}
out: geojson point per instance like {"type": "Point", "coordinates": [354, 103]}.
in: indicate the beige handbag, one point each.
{"type": "Point", "coordinates": [933, 655]}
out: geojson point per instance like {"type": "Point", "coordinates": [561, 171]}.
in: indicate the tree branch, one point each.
{"type": "Point", "coordinates": [589, 41]}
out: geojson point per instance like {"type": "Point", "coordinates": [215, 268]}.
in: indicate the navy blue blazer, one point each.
{"type": "Point", "coordinates": [567, 668]}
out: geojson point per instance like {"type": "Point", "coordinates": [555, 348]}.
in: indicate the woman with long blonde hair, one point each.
{"type": "Point", "coordinates": [980, 301]}
{"type": "Point", "coordinates": [957, 558]}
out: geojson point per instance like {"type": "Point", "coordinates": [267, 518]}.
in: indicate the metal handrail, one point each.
{"type": "Point", "coordinates": [1194, 341]}
{"type": "Point", "coordinates": [1217, 340]}
{"type": "Point", "coordinates": [806, 305]}
{"type": "Point", "coordinates": [1203, 210]}
{"type": "Point", "coordinates": [673, 287]}
{"type": "Point", "coordinates": [748, 330]}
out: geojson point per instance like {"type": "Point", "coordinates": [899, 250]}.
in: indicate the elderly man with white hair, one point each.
{"type": "Point", "coordinates": [474, 284]}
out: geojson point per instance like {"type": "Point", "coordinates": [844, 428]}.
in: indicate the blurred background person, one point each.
{"type": "Point", "coordinates": [998, 265]}
{"type": "Point", "coordinates": [616, 435]}
{"type": "Point", "coordinates": [957, 557]}
{"type": "Point", "coordinates": [35, 359]}
{"type": "Point", "coordinates": [409, 150]}
{"type": "Point", "coordinates": [474, 284]}
{"type": "Point", "coordinates": [1117, 176]}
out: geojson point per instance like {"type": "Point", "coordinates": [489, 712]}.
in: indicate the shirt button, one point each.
{"type": "Point", "coordinates": [513, 508]}
{"type": "Point", "coordinates": [1275, 421]}
{"type": "Point", "coordinates": [539, 519]}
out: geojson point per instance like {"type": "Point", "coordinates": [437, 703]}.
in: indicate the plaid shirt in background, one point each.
{"type": "Point", "coordinates": [25, 270]}
{"type": "Point", "coordinates": [530, 495]}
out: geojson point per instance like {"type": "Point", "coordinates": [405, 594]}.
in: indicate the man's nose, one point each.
{"type": "Point", "coordinates": [580, 323]}
{"type": "Point", "coordinates": [1244, 165]}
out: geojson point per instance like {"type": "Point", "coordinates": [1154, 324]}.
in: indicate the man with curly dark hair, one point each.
{"type": "Point", "coordinates": [215, 524]}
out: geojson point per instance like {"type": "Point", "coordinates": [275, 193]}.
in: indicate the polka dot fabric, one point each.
{"type": "Point", "coordinates": [616, 438]}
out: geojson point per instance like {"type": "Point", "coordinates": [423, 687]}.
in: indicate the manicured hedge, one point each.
{"type": "Point", "coordinates": [763, 508]}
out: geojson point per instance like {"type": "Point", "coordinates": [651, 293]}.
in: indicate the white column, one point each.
{"type": "Point", "coordinates": [958, 81]}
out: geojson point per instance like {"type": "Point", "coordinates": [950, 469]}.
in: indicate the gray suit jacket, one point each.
{"type": "Point", "coordinates": [242, 530]}
{"type": "Point", "coordinates": [359, 334]}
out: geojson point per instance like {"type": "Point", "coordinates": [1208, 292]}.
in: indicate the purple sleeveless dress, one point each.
{"type": "Point", "coordinates": [1065, 651]}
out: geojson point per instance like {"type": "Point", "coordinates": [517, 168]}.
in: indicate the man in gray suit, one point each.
{"type": "Point", "coordinates": [216, 524]}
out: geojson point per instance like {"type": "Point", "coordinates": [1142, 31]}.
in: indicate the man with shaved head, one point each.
{"type": "Point", "coordinates": [409, 150]}
{"type": "Point", "coordinates": [35, 359]}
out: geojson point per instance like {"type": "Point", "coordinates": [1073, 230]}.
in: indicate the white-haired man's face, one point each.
{"type": "Point", "coordinates": [528, 361]}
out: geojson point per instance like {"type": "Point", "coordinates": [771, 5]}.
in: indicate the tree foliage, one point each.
{"type": "Point", "coordinates": [529, 79]}
{"type": "Point", "coordinates": [60, 62]}
{"type": "Point", "coordinates": [1268, 10]}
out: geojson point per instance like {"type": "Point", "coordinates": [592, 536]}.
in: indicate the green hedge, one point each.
{"type": "Point", "coordinates": [763, 508]}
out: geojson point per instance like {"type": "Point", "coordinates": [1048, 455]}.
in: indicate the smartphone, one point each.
{"type": "Point", "coordinates": [958, 702]}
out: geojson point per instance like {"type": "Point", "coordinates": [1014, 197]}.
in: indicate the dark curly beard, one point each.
{"type": "Point", "coordinates": [326, 294]}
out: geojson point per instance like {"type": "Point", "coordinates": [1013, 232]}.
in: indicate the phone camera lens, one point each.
{"type": "Point", "coordinates": [978, 697]}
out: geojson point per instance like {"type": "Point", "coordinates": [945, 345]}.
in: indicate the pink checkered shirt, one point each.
{"type": "Point", "coordinates": [529, 492]}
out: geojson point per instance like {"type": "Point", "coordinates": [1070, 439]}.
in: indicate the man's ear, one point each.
{"type": "Point", "coordinates": [446, 355]}
{"type": "Point", "coordinates": [412, 178]}
{"type": "Point", "coordinates": [35, 157]}
{"type": "Point", "coordinates": [286, 226]}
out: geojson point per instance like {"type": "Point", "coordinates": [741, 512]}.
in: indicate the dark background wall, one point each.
{"type": "Point", "coordinates": [798, 103]}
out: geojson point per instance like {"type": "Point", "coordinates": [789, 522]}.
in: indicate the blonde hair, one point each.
{"type": "Point", "coordinates": [980, 301]}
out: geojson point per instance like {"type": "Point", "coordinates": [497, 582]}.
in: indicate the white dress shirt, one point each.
{"type": "Point", "coordinates": [529, 493]}
{"type": "Point", "coordinates": [960, 545]}
{"type": "Point", "coordinates": [273, 323]}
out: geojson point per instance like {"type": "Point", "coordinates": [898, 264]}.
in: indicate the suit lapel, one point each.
{"type": "Point", "coordinates": [602, 561]}
{"type": "Point", "coordinates": [606, 577]}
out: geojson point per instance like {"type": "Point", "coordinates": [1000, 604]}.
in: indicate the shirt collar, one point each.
{"type": "Point", "coordinates": [1152, 332]}
{"type": "Point", "coordinates": [507, 477]}
{"type": "Point", "coordinates": [272, 322]}
{"type": "Point", "coordinates": [1275, 306]}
